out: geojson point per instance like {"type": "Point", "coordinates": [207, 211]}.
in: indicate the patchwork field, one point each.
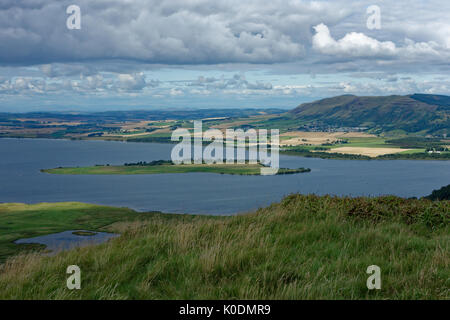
{"type": "Point", "coordinates": [296, 138]}
{"type": "Point", "coordinates": [371, 152]}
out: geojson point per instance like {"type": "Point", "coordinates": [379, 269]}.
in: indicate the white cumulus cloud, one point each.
{"type": "Point", "coordinates": [359, 45]}
{"type": "Point", "coordinates": [353, 44]}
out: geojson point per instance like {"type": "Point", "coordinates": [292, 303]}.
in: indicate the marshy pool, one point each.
{"type": "Point", "coordinates": [70, 239]}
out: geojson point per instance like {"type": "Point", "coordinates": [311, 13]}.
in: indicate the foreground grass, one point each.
{"type": "Point", "coordinates": [238, 169]}
{"type": "Point", "coordinates": [305, 247]}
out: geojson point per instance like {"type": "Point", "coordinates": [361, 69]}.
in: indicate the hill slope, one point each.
{"type": "Point", "coordinates": [414, 113]}
{"type": "Point", "coordinates": [306, 247]}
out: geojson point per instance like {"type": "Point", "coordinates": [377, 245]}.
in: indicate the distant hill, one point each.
{"type": "Point", "coordinates": [418, 113]}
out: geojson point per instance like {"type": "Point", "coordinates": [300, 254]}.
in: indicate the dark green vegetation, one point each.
{"type": "Point", "coordinates": [305, 152]}
{"type": "Point", "coordinates": [161, 166]}
{"type": "Point", "coordinates": [84, 233]}
{"type": "Point", "coordinates": [441, 194]}
{"type": "Point", "coordinates": [420, 114]}
{"type": "Point", "coordinates": [25, 221]}
{"type": "Point", "coordinates": [415, 156]}
{"type": "Point", "coordinates": [418, 143]}
{"type": "Point", "coordinates": [151, 163]}
{"type": "Point", "coordinates": [305, 247]}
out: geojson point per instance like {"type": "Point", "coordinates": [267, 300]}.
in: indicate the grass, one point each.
{"type": "Point", "coordinates": [413, 151]}
{"type": "Point", "coordinates": [369, 142]}
{"type": "Point", "coordinates": [84, 233]}
{"type": "Point", "coordinates": [305, 247]}
{"type": "Point", "coordinates": [238, 169]}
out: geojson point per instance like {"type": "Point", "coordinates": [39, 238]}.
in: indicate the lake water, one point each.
{"type": "Point", "coordinates": [202, 193]}
{"type": "Point", "coordinates": [68, 240]}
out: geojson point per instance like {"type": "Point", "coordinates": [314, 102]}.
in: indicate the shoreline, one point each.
{"type": "Point", "coordinates": [301, 153]}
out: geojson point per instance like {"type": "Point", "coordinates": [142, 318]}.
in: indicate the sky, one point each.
{"type": "Point", "coordinates": [184, 54]}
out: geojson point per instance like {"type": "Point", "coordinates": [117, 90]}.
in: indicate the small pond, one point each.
{"type": "Point", "coordinates": [70, 239]}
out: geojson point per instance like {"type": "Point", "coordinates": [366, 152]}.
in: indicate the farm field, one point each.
{"type": "Point", "coordinates": [366, 151]}
{"type": "Point", "coordinates": [297, 138]}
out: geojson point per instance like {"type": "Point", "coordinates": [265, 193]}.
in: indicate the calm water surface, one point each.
{"type": "Point", "coordinates": [21, 180]}
{"type": "Point", "coordinates": [66, 240]}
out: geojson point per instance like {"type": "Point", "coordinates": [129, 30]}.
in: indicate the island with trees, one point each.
{"type": "Point", "coordinates": [163, 166]}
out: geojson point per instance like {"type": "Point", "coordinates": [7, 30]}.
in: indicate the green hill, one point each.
{"type": "Point", "coordinates": [417, 113]}
{"type": "Point", "coordinates": [305, 247]}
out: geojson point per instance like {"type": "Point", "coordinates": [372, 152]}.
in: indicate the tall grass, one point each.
{"type": "Point", "coordinates": [306, 247]}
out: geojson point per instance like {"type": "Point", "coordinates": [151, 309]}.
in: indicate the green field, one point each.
{"type": "Point", "coordinates": [238, 169]}
{"type": "Point", "coordinates": [305, 247]}
{"type": "Point", "coordinates": [367, 142]}
{"type": "Point", "coordinates": [413, 151]}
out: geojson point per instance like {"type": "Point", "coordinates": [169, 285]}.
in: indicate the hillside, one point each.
{"type": "Point", "coordinates": [305, 247]}
{"type": "Point", "coordinates": [417, 113]}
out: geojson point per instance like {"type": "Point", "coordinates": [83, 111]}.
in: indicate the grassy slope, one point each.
{"type": "Point", "coordinates": [244, 169]}
{"type": "Point", "coordinates": [305, 247]}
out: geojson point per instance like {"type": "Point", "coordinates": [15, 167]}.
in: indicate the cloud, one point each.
{"type": "Point", "coordinates": [404, 87]}
{"type": "Point", "coordinates": [54, 70]}
{"type": "Point", "coordinates": [219, 50]}
{"type": "Point", "coordinates": [175, 92]}
{"type": "Point", "coordinates": [238, 81]}
{"type": "Point", "coordinates": [353, 44]}
{"type": "Point", "coordinates": [359, 45]}
{"type": "Point", "coordinates": [120, 33]}
{"type": "Point", "coordinates": [167, 32]}
{"type": "Point", "coordinates": [21, 85]}
{"type": "Point", "coordinates": [131, 82]}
